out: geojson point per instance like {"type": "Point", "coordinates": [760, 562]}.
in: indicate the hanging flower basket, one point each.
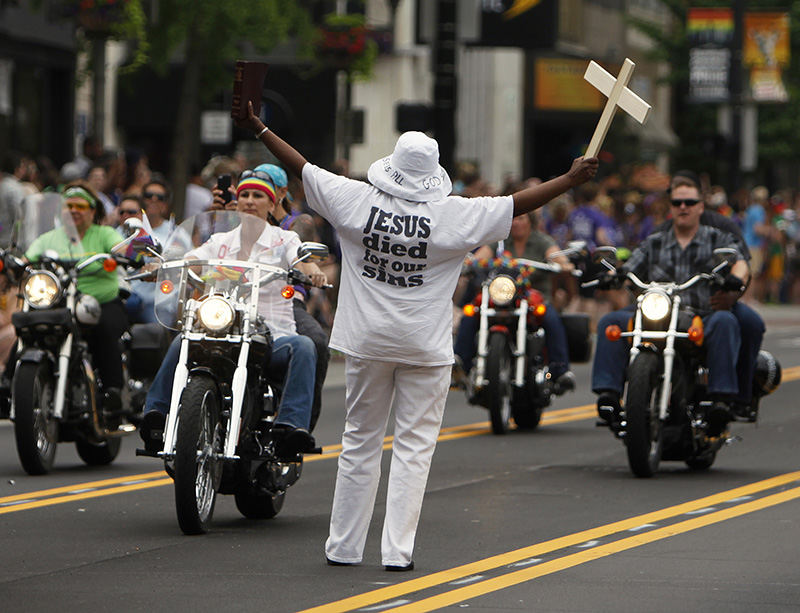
{"type": "Point", "coordinates": [96, 17]}
{"type": "Point", "coordinates": [343, 42]}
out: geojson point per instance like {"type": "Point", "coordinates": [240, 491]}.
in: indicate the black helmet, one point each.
{"type": "Point", "coordinates": [768, 374]}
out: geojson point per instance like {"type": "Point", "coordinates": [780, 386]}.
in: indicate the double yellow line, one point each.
{"type": "Point", "coordinates": [702, 512]}
{"type": "Point", "coordinates": [132, 483]}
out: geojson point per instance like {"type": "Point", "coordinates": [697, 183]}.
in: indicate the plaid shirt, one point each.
{"type": "Point", "coordinates": [660, 258]}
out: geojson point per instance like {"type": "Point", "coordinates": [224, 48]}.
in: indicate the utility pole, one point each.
{"type": "Point", "coordinates": [737, 98]}
{"type": "Point", "coordinates": [445, 82]}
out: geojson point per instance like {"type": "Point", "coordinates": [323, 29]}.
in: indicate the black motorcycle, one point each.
{"type": "Point", "coordinates": [55, 391]}
{"type": "Point", "coordinates": [664, 416]}
{"type": "Point", "coordinates": [218, 437]}
{"type": "Point", "coordinates": [511, 376]}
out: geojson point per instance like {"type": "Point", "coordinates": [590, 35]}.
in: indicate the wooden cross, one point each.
{"type": "Point", "coordinates": [618, 95]}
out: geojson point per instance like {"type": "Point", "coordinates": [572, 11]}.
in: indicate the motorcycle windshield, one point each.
{"type": "Point", "coordinates": [47, 226]}
{"type": "Point", "coordinates": [207, 255]}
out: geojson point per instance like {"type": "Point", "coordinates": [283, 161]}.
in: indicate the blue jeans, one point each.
{"type": "Point", "coordinates": [752, 330]}
{"type": "Point", "coordinates": [722, 342]}
{"type": "Point", "coordinates": [295, 355]}
{"type": "Point", "coordinates": [555, 338]}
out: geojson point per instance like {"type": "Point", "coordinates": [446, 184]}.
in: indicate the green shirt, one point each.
{"type": "Point", "coordinates": [93, 280]}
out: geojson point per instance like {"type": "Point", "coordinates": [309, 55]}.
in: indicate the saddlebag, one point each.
{"type": "Point", "coordinates": [579, 338]}
{"type": "Point", "coordinates": [149, 343]}
{"type": "Point", "coordinates": [49, 322]}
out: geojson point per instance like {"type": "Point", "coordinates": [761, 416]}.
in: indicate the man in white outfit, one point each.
{"type": "Point", "coordinates": [403, 239]}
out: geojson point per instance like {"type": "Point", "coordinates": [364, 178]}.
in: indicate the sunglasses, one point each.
{"type": "Point", "coordinates": [686, 201]}
{"type": "Point", "coordinates": [77, 206]}
{"type": "Point", "coordinates": [157, 196]}
{"type": "Point", "coordinates": [128, 211]}
{"type": "Point", "coordinates": [258, 174]}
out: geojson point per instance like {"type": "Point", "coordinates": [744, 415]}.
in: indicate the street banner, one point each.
{"type": "Point", "coordinates": [712, 26]}
{"type": "Point", "coordinates": [766, 39]}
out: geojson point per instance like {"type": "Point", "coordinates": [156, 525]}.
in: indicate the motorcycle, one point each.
{"type": "Point", "coordinates": [55, 392]}
{"type": "Point", "coordinates": [218, 437]}
{"type": "Point", "coordinates": [511, 376]}
{"type": "Point", "coordinates": [666, 400]}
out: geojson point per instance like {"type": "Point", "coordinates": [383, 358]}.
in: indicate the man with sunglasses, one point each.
{"type": "Point", "coordinates": [677, 254]}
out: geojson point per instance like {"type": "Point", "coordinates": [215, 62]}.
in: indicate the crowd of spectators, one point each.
{"type": "Point", "coordinates": [617, 211]}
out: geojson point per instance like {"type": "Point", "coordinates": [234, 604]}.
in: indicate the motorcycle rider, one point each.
{"type": "Point", "coordinates": [525, 241]}
{"type": "Point", "coordinates": [103, 339]}
{"type": "Point", "coordinates": [675, 255]}
{"type": "Point", "coordinates": [751, 325]}
{"type": "Point", "coordinates": [291, 352]}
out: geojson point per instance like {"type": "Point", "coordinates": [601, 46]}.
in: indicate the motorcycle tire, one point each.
{"type": "Point", "coordinates": [498, 388]}
{"type": "Point", "coordinates": [256, 505]}
{"type": "Point", "coordinates": [644, 436]}
{"type": "Point", "coordinates": [703, 462]}
{"type": "Point", "coordinates": [526, 413]}
{"type": "Point", "coordinates": [198, 440]}
{"type": "Point", "coordinates": [99, 454]}
{"type": "Point", "coordinates": [35, 429]}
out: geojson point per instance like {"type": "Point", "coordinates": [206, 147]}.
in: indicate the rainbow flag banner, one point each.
{"type": "Point", "coordinates": [709, 26]}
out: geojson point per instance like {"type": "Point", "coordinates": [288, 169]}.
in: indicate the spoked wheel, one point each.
{"type": "Point", "coordinates": [644, 436]}
{"type": "Point", "coordinates": [498, 388]}
{"type": "Point", "coordinates": [35, 428]}
{"type": "Point", "coordinates": [198, 445]}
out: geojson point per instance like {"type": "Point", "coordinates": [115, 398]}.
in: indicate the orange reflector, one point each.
{"type": "Point", "coordinates": [109, 265]}
{"type": "Point", "coordinates": [696, 331]}
{"type": "Point", "coordinates": [539, 310]}
{"type": "Point", "coordinates": [613, 333]}
{"type": "Point", "coordinates": [287, 292]}
{"type": "Point", "coordinates": [2, 264]}
{"type": "Point", "coordinates": [469, 310]}
{"type": "Point", "coordinates": [166, 287]}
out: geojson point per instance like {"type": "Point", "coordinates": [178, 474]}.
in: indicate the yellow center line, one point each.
{"type": "Point", "coordinates": [568, 561]}
{"type": "Point", "coordinates": [504, 559]}
{"type": "Point", "coordinates": [84, 495]}
{"type": "Point", "coordinates": [82, 486]}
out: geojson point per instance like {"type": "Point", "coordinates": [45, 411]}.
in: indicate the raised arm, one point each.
{"type": "Point", "coordinates": [532, 198]}
{"type": "Point", "coordinates": [286, 154]}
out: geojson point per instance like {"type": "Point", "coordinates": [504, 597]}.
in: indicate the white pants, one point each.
{"type": "Point", "coordinates": [419, 394]}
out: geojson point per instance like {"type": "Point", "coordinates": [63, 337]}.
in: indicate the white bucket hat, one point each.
{"type": "Point", "coordinates": [412, 172]}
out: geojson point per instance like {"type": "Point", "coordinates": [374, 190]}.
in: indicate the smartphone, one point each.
{"type": "Point", "coordinates": [223, 183]}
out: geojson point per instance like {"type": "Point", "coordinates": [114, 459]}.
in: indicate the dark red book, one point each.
{"type": "Point", "coordinates": [248, 83]}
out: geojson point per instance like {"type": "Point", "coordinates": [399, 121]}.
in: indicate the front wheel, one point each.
{"type": "Point", "coordinates": [198, 445]}
{"type": "Point", "coordinates": [498, 388]}
{"type": "Point", "coordinates": [35, 428]}
{"type": "Point", "coordinates": [99, 454]}
{"type": "Point", "coordinates": [644, 436]}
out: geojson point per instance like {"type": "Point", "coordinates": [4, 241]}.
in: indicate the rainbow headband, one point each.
{"type": "Point", "coordinates": [78, 192]}
{"type": "Point", "coordinates": [256, 183]}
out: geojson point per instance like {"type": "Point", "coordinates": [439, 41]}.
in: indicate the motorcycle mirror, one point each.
{"type": "Point", "coordinates": [132, 226]}
{"type": "Point", "coordinates": [604, 253]}
{"type": "Point", "coordinates": [312, 252]}
{"type": "Point", "coordinates": [724, 256]}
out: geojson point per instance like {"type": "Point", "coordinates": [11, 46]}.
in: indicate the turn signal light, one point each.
{"type": "Point", "coordinates": [469, 310]}
{"type": "Point", "coordinates": [539, 310]}
{"type": "Point", "coordinates": [109, 265]}
{"type": "Point", "coordinates": [287, 292]}
{"type": "Point", "coordinates": [696, 331]}
{"type": "Point", "coordinates": [166, 287]}
{"type": "Point", "coordinates": [613, 333]}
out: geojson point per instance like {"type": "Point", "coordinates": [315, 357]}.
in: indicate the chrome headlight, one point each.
{"type": "Point", "coordinates": [502, 290]}
{"type": "Point", "coordinates": [215, 314]}
{"type": "Point", "coordinates": [41, 289]}
{"type": "Point", "coordinates": [655, 306]}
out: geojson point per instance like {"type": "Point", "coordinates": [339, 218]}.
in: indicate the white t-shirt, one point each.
{"type": "Point", "coordinates": [400, 264]}
{"type": "Point", "coordinates": [274, 247]}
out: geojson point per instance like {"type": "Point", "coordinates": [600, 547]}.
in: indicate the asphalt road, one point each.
{"type": "Point", "coordinates": [544, 521]}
